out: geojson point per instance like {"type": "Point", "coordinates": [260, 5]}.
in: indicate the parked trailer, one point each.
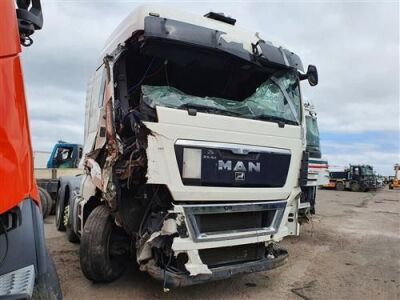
{"type": "Point", "coordinates": [194, 151]}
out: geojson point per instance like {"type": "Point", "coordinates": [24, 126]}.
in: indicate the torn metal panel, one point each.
{"type": "Point", "coordinates": [95, 173]}
{"type": "Point", "coordinates": [195, 266]}
{"type": "Point", "coordinates": [144, 250]}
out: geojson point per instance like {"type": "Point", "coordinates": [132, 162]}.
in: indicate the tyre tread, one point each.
{"type": "Point", "coordinates": [92, 254]}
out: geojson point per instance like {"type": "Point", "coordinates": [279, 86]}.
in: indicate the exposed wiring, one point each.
{"type": "Point", "coordinates": [147, 212]}
{"type": "Point", "coordinates": [155, 72]}
{"type": "Point", "coordinates": [3, 228]}
{"type": "Point", "coordinates": [165, 271]}
{"type": "Point", "coordinates": [133, 88]}
{"type": "Point", "coordinates": [166, 71]}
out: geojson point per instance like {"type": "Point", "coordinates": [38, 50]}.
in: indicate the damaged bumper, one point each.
{"type": "Point", "coordinates": [174, 279]}
{"type": "Point", "coordinates": [217, 241]}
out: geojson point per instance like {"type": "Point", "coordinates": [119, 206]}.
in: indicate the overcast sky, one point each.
{"type": "Point", "coordinates": [354, 45]}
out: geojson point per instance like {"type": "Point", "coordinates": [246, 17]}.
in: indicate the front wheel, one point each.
{"type": "Point", "coordinates": [355, 187]}
{"type": "Point", "coordinates": [340, 186]}
{"type": "Point", "coordinates": [103, 251]}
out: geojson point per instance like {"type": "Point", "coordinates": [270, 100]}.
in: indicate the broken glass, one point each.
{"type": "Point", "coordinates": [277, 99]}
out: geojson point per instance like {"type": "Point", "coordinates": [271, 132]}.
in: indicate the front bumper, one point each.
{"type": "Point", "coordinates": [172, 279]}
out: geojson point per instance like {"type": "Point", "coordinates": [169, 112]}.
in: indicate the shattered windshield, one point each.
{"type": "Point", "coordinates": [276, 100]}
{"type": "Point", "coordinates": [312, 132]}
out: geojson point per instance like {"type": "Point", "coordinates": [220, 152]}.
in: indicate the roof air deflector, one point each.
{"type": "Point", "coordinates": [220, 17]}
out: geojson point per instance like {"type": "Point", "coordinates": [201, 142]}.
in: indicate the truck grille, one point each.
{"type": "Point", "coordinates": [208, 222]}
{"type": "Point", "coordinates": [231, 255]}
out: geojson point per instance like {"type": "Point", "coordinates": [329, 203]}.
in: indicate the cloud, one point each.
{"type": "Point", "coordinates": [355, 46]}
{"type": "Point", "coordinates": [376, 148]}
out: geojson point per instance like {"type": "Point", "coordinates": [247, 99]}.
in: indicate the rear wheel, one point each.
{"type": "Point", "coordinates": [355, 187]}
{"type": "Point", "coordinates": [60, 208]}
{"type": "Point", "coordinates": [103, 250]}
{"type": "Point", "coordinates": [339, 186]}
{"type": "Point", "coordinates": [69, 230]}
{"type": "Point", "coordinates": [46, 202]}
{"type": "Point", "coordinates": [390, 187]}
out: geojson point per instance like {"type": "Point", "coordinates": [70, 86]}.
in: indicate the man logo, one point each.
{"type": "Point", "coordinates": [239, 166]}
{"type": "Point", "coordinates": [239, 176]}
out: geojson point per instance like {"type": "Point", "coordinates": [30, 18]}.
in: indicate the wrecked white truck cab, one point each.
{"type": "Point", "coordinates": [195, 151]}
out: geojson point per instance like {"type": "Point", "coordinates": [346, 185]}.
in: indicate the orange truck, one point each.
{"type": "Point", "coordinates": [395, 183]}
{"type": "Point", "coordinates": [26, 269]}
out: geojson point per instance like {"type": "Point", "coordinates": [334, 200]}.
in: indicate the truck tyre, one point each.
{"type": "Point", "coordinates": [98, 263]}
{"type": "Point", "coordinates": [390, 186]}
{"type": "Point", "coordinates": [53, 206]}
{"type": "Point", "coordinates": [46, 202]}
{"type": "Point", "coordinates": [49, 201]}
{"type": "Point", "coordinates": [69, 230]}
{"type": "Point", "coordinates": [43, 203]}
{"type": "Point", "coordinates": [339, 186]}
{"type": "Point", "coordinates": [60, 207]}
{"type": "Point", "coordinates": [355, 187]}
{"type": "Point", "coordinates": [71, 235]}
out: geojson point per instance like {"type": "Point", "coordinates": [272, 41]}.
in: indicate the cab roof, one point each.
{"type": "Point", "coordinates": [231, 34]}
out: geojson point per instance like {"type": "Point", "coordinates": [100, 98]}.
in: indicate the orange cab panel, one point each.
{"type": "Point", "coordinates": [16, 166]}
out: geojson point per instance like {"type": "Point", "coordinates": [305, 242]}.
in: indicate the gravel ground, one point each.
{"type": "Point", "coordinates": [350, 250]}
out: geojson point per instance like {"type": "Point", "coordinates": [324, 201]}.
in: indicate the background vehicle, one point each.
{"type": "Point", "coordinates": [395, 182]}
{"type": "Point", "coordinates": [187, 164]}
{"type": "Point", "coordinates": [63, 161]}
{"type": "Point", "coordinates": [380, 181]}
{"type": "Point", "coordinates": [318, 173]}
{"type": "Point", "coordinates": [26, 269]}
{"type": "Point", "coordinates": [358, 178]}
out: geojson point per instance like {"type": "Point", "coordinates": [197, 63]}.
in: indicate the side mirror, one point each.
{"type": "Point", "coordinates": [30, 18]}
{"type": "Point", "coordinates": [311, 75]}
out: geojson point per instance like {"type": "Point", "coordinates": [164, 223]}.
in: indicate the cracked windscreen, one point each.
{"type": "Point", "coordinates": [312, 132]}
{"type": "Point", "coordinates": [275, 100]}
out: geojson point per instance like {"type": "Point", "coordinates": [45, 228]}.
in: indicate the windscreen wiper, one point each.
{"type": "Point", "coordinates": [205, 108]}
{"type": "Point", "coordinates": [276, 119]}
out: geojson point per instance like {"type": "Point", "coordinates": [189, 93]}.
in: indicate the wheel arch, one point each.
{"type": "Point", "coordinates": [89, 206]}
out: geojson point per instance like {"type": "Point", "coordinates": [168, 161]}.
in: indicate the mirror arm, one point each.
{"type": "Point", "coordinates": [303, 76]}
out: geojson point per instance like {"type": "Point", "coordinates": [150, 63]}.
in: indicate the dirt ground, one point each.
{"type": "Point", "coordinates": [350, 250]}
